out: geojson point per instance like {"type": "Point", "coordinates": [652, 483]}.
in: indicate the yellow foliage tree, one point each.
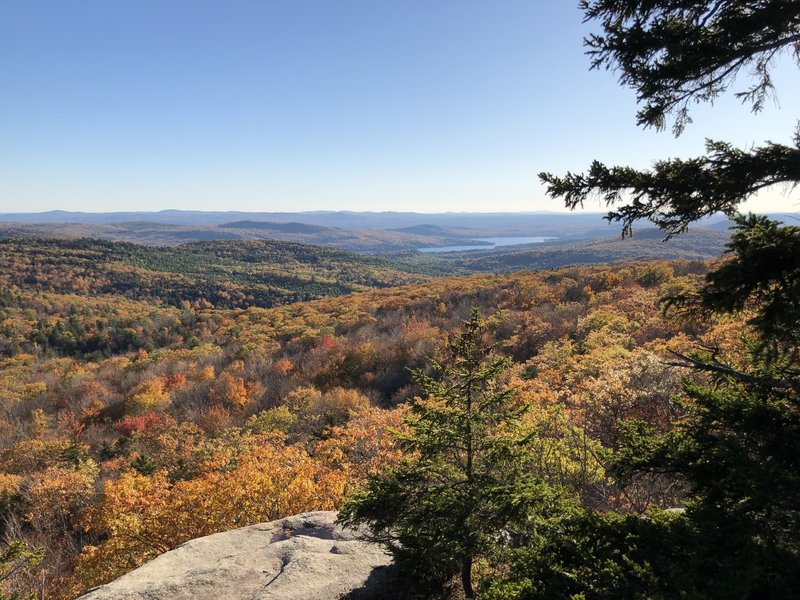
{"type": "Point", "coordinates": [55, 495]}
{"type": "Point", "coordinates": [230, 391]}
{"type": "Point", "coordinates": [27, 456]}
{"type": "Point", "coordinates": [150, 395]}
{"type": "Point", "coordinates": [365, 446]}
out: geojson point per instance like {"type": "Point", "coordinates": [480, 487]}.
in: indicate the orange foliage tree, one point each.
{"type": "Point", "coordinates": [141, 517]}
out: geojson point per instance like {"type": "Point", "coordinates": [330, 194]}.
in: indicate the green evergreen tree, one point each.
{"type": "Point", "coordinates": [464, 479]}
{"type": "Point", "coordinates": [145, 465]}
{"type": "Point", "coordinates": [738, 445]}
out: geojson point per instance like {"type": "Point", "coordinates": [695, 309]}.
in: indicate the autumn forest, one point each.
{"type": "Point", "coordinates": [567, 413]}
{"type": "Point", "coordinates": [131, 424]}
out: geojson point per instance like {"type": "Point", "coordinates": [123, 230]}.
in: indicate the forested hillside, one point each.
{"type": "Point", "coordinates": [264, 273]}
{"type": "Point", "coordinates": [175, 233]}
{"type": "Point", "coordinates": [647, 244]}
{"type": "Point", "coordinates": [201, 274]}
{"type": "Point", "coordinates": [130, 426]}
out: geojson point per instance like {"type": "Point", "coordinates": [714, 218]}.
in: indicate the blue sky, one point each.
{"type": "Point", "coordinates": [304, 105]}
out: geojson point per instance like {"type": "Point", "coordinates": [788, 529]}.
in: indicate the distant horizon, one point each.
{"type": "Point", "coordinates": [300, 212]}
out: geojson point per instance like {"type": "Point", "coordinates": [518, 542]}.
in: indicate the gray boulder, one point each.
{"type": "Point", "coordinates": [306, 556]}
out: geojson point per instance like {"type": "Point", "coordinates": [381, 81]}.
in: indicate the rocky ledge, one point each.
{"type": "Point", "coordinates": [304, 557]}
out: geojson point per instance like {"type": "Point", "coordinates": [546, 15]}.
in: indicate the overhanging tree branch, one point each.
{"type": "Point", "coordinates": [676, 192]}
{"type": "Point", "coordinates": [718, 368]}
{"type": "Point", "coordinates": [684, 51]}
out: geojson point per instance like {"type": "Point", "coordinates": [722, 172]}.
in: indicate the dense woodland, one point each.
{"type": "Point", "coordinates": [203, 274]}
{"type": "Point", "coordinates": [151, 424]}
{"type": "Point", "coordinates": [175, 232]}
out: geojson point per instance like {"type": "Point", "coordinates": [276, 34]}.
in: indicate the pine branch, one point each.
{"type": "Point", "coordinates": [718, 368]}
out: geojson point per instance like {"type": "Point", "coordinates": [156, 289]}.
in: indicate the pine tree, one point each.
{"type": "Point", "coordinates": [464, 480]}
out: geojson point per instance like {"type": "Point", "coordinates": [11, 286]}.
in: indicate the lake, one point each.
{"type": "Point", "coordinates": [491, 244]}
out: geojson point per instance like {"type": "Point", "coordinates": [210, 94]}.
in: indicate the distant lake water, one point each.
{"type": "Point", "coordinates": [491, 244]}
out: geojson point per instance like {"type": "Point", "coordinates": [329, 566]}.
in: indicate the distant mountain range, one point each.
{"type": "Point", "coordinates": [366, 232]}
{"type": "Point", "coordinates": [458, 224]}
{"type": "Point", "coordinates": [277, 227]}
{"type": "Point", "coordinates": [510, 223]}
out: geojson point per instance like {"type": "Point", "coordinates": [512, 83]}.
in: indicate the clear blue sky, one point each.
{"type": "Point", "coordinates": [303, 105]}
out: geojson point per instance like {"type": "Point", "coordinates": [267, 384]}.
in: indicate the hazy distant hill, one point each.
{"type": "Point", "coordinates": [272, 226]}
{"type": "Point", "coordinates": [371, 232]}
{"type": "Point", "coordinates": [453, 224]}
{"type": "Point", "coordinates": [476, 224]}
{"type": "Point", "coordinates": [366, 232]}
{"type": "Point", "coordinates": [647, 244]}
{"type": "Point", "coordinates": [435, 230]}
